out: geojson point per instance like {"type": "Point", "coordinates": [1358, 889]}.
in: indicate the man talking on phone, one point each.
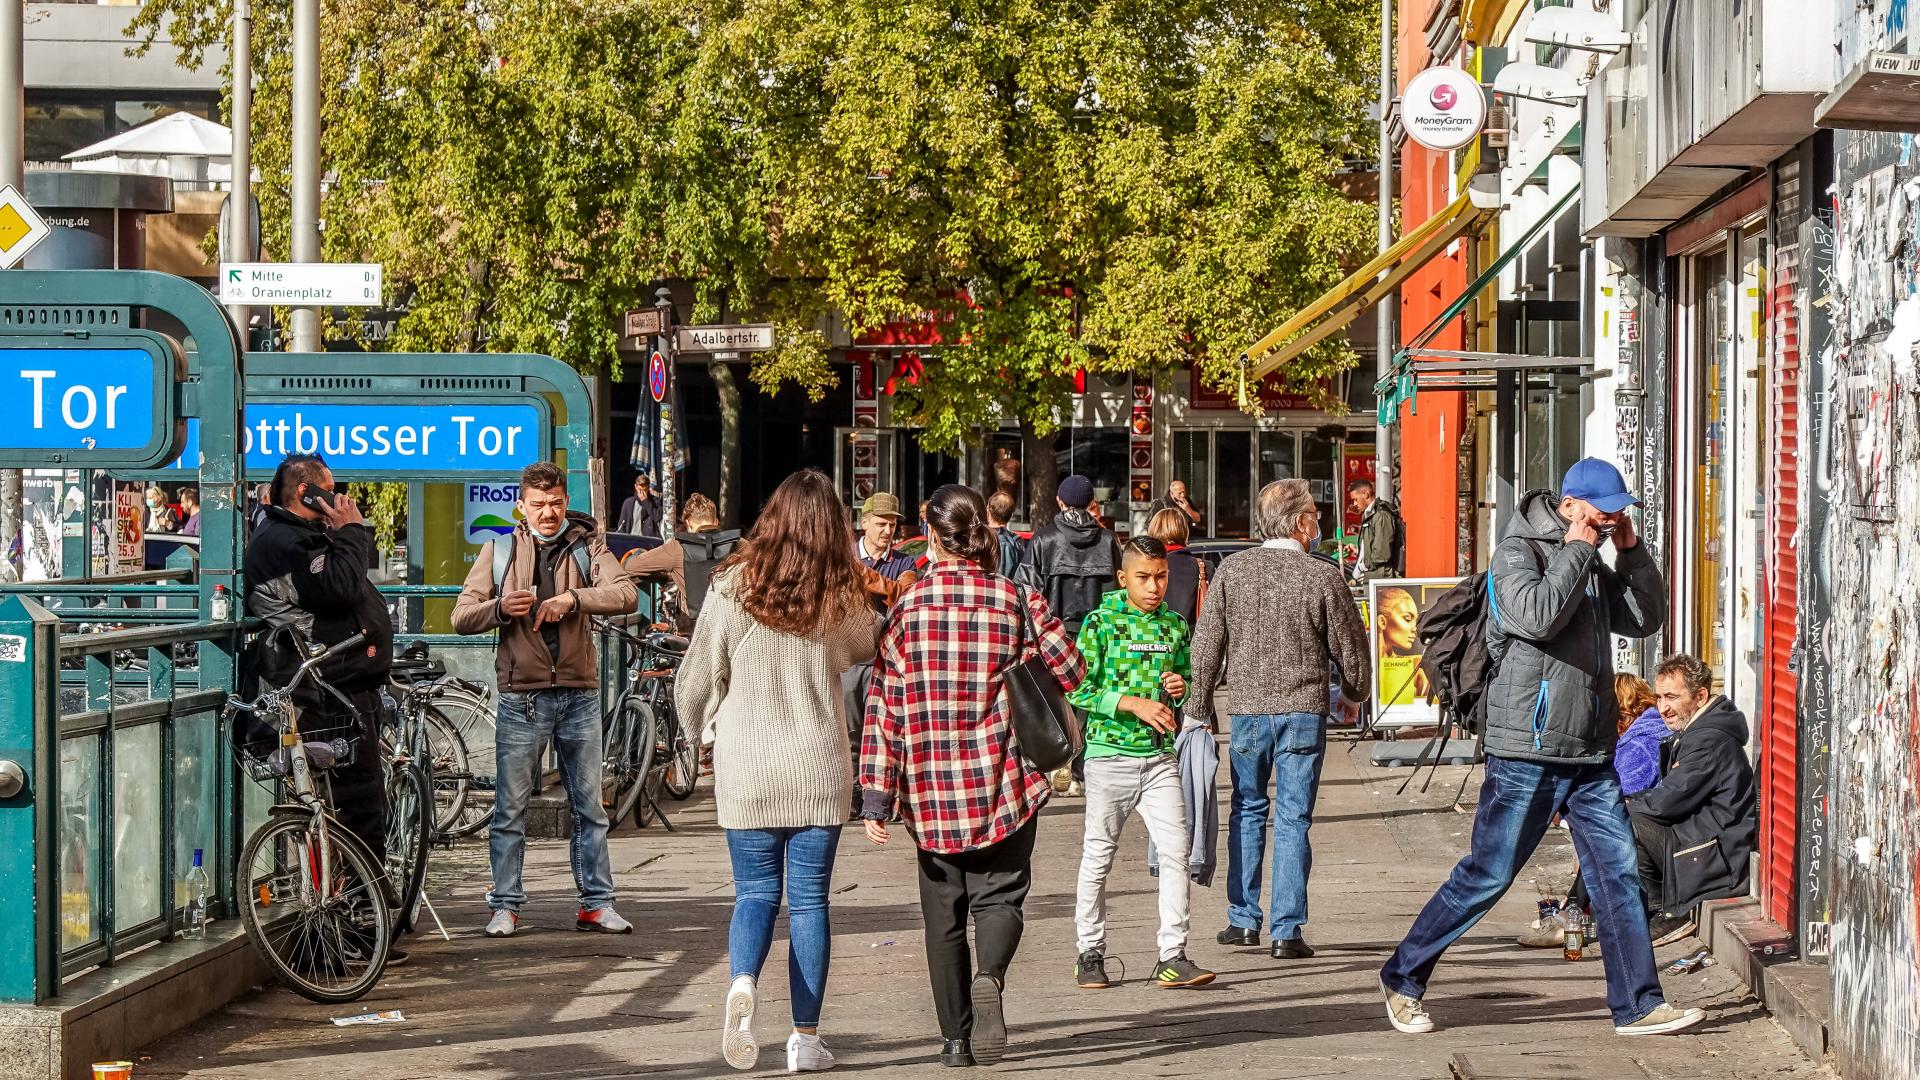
{"type": "Point", "coordinates": [306, 569]}
{"type": "Point", "coordinates": [540, 586]}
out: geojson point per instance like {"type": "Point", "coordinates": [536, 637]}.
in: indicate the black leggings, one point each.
{"type": "Point", "coordinates": [990, 884]}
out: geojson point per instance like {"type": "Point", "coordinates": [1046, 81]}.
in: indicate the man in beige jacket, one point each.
{"type": "Point", "coordinates": [539, 587]}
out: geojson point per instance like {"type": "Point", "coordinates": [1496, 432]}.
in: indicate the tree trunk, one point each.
{"type": "Point", "coordinates": [727, 499]}
{"type": "Point", "coordinates": [1043, 475]}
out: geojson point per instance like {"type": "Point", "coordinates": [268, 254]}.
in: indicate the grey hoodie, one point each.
{"type": "Point", "coordinates": [1556, 607]}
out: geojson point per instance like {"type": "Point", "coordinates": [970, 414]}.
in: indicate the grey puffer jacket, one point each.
{"type": "Point", "coordinates": [1556, 607]}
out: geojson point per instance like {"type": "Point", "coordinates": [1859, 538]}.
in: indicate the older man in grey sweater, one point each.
{"type": "Point", "coordinates": [1278, 620]}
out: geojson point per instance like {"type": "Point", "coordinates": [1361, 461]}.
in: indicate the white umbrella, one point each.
{"type": "Point", "coordinates": [180, 146]}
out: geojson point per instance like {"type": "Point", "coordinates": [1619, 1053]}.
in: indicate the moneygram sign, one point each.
{"type": "Point", "coordinates": [1443, 108]}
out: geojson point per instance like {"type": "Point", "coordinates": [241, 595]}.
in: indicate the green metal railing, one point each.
{"type": "Point", "coordinates": [129, 779]}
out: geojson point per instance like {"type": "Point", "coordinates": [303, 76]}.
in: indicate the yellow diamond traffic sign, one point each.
{"type": "Point", "coordinates": [21, 227]}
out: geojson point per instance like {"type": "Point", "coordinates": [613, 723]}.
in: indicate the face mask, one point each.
{"type": "Point", "coordinates": [545, 538]}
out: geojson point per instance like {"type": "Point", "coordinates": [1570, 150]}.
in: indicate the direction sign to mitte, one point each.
{"type": "Point", "coordinates": [740, 337]}
{"type": "Point", "coordinates": [301, 284]}
{"type": "Point", "coordinates": [21, 227]}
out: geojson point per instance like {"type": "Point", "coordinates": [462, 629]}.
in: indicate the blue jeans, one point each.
{"type": "Point", "coordinates": [802, 860]}
{"type": "Point", "coordinates": [1286, 749]}
{"type": "Point", "coordinates": [1517, 803]}
{"type": "Point", "coordinates": [570, 719]}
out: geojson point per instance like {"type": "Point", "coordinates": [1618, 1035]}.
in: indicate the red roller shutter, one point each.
{"type": "Point", "coordinates": [1779, 723]}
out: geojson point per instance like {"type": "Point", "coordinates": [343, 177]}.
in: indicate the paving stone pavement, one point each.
{"type": "Point", "coordinates": [557, 1004]}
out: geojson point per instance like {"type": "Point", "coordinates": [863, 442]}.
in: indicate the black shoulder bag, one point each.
{"type": "Point", "coordinates": [1044, 725]}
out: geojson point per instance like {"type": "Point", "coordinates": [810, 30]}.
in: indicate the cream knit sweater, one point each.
{"type": "Point", "coordinates": [780, 754]}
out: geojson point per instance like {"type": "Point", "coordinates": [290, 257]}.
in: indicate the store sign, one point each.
{"type": "Point", "coordinates": [403, 441]}
{"type": "Point", "coordinates": [105, 400]}
{"type": "Point", "coordinates": [1443, 108]}
{"type": "Point", "coordinates": [1274, 394]}
{"type": "Point", "coordinates": [492, 511]}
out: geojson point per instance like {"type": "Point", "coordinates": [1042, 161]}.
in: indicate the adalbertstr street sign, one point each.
{"type": "Point", "coordinates": [726, 338]}
{"type": "Point", "coordinates": [301, 284]}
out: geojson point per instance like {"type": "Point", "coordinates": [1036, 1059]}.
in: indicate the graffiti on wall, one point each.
{"type": "Point", "coordinates": [1870, 453]}
{"type": "Point", "coordinates": [1814, 900]}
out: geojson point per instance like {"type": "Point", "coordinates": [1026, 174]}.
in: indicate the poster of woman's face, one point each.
{"type": "Point", "coordinates": [1402, 691]}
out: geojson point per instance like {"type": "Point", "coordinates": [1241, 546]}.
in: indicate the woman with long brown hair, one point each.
{"type": "Point", "coordinates": [939, 742]}
{"type": "Point", "coordinates": [786, 615]}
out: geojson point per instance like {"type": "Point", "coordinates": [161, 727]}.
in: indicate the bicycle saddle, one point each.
{"type": "Point", "coordinates": [671, 644]}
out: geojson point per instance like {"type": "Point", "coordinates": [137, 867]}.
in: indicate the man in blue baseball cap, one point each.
{"type": "Point", "coordinates": [1550, 727]}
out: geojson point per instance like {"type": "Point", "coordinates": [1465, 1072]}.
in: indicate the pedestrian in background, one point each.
{"type": "Point", "coordinates": [1381, 552]}
{"type": "Point", "coordinates": [1013, 550]}
{"type": "Point", "coordinates": [939, 742]}
{"type": "Point", "coordinates": [787, 615]}
{"type": "Point", "coordinates": [1549, 737]}
{"type": "Point", "coordinates": [190, 508]}
{"type": "Point", "coordinates": [160, 514]}
{"type": "Point", "coordinates": [1072, 560]}
{"type": "Point", "coordinates": [541, 592]}
{"type": "Point", "coordinates": [1186, 574]}
{"type": "Point", "coordinates": [1280, 620]}
{"type": "Point", "coordinates": [640, 512]}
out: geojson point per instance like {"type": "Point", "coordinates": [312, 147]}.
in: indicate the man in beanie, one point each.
{"type": "Point", "coordinates": [1072, 560]}
{"type": "Point", "coordinates": [1554, 606]}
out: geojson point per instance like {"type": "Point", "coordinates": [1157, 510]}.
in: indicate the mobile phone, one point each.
{"type": "Point", "coordinates": [319, 500]}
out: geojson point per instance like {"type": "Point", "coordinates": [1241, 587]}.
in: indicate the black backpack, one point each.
{"type": "Point", "coordinates": [1453, 637]}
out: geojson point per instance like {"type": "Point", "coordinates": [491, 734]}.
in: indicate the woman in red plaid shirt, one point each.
{"type": "Point", "coordinates": [938, 740]}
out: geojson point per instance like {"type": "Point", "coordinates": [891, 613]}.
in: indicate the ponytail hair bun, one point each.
{"type": "Point", "coordinates": [958, 516]}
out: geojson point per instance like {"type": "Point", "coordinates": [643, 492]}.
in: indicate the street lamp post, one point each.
{"type": "Point", "coordinates": [240, 185]}
{"type": "Point", "coordinates": [306, 160]}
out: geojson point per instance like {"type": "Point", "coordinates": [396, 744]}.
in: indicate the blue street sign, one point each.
{"type": "Point", "coordinates": [103, 400]}
{"type": "Point", "coordinates": [397, 442]}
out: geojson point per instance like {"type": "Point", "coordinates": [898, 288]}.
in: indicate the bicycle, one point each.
{"type": "Point", "coordinates": [647, 753]}
{"type": "Point", "coordinates": [410, 808]}
{"type": "Point", "coordinates": [316, 904]}
{"type": "Point", "coordinates": [447, 708]}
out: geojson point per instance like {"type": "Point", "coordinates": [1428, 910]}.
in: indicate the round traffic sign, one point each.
{"type": "Point", "coordinates": [657, 377]}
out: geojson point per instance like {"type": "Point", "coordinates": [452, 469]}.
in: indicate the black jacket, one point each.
{"type": "Point", "coordinates": [1555, 609]}
{"type": "Point", "coordinates": [314, 580]}
{"type": "Point", "coordinates": [638, 518]}
{"type": "Point", "coordinates": [1072, 561]}
{"type": "Point", "coordinates": [1708, 802]}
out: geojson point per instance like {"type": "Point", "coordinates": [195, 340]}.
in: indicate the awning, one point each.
{"type": "Point", "coordinates": [1417, 365]}
{"type": "Point", "coordinates": [1369, 284]}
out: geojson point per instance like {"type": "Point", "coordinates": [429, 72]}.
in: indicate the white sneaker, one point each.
{"type": "Point", "coordinates": [736, 1039]}
{"type": "Point", "coordinates": [806, 1053]}
{"type": "Point", "coordinates": [503, 924]}
{"type": "Point", "coordinates": [1406, 1014]}
{"type": "Point", "coordinates": [1664, 1020]}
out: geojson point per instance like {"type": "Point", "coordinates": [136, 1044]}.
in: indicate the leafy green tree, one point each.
{"type": "Point", "coordinates": [1060, 186]}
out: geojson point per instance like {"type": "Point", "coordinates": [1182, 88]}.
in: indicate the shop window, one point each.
{"type": "Point", "coordinates": [1279, 456]}
{"type": "Point", "coordinates": [131, 114]}
{"type": "Point", "coordinates": [1102, 456]}
{"type": "Point", "coordinates": [58, 128]}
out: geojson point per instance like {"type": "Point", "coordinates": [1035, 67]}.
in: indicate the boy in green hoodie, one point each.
{"type": "Point", "coordinates": [1137, 669]}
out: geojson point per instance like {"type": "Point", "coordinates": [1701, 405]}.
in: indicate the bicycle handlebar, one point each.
{"type": "Point", "coordinates": [312, 661]}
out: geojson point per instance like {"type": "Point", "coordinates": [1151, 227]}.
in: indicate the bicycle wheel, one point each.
{"type": "Point", "coordinates": [452, 774]}
{"type": "Point", "coordinates": [325, 936]}
{"type": "Point", "coordinates": [683, 758]}
{"type": "Point", "coordinates": [472, 718]}
{"type": "Point", "coordinates": [629, 756]}
{"type": "Point", "coordinates": [409, 831]}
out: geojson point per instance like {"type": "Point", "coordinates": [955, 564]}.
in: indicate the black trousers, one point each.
{"type": "Point", "coordinates": [990, 884]}
{"type": "Point", "coordinates": [359, 788]}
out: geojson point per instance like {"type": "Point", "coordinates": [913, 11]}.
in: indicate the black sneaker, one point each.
{"type": "Point", "coordinates": [1091, 971]}
{"type": "Point", "coordinates": [1180, 972]}
{"type": "Point", "coordinates": [989, 1039]}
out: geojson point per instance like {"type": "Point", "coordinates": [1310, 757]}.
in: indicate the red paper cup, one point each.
{"type": "Point", "coordinates": [113, 1070]}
